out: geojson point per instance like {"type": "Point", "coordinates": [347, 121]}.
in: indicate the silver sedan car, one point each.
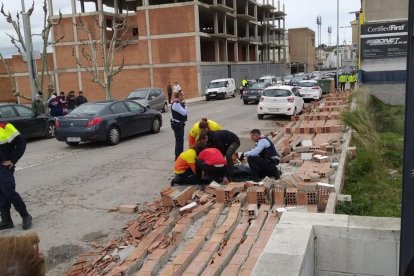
{"type": "Point", "coordinates": [150, 97]}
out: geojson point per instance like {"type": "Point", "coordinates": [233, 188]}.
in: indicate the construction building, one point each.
{"type": "Point", "coordinates": [302, 52]}
{"type": "Point", "coordinates": [191, 42]}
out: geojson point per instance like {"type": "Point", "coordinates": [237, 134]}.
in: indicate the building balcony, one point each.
{"type": "Point", "coordinates": [222, 8]}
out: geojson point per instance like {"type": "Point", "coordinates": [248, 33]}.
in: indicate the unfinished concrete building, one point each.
{"type": "Point", "coordinates": [191, 42]}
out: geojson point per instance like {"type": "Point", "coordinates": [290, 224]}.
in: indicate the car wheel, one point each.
{"type": "Point", "coordinates": [50, 130]}
{"type": "Point", "coordinates": [294, 112]}
{"type": "Point", "coordinates": [113, 136]}
{"type": "Point", "coordinates": [72, 144]}
{"type": "Point", "coordinates": [165, 108]}
{"type": "Point", "coordinates": [156, 126]}
{"type": "Point", "coordinates": [303, 109]}
{"type": "Point", "coordinates": [260, 116]}
{"type": "Point", "coordinates": [207, 98]}
{"type": "Point", "coordinates": [223, 96]}
{"type": "Point", "coordinates": [245, 102]}
{"type": "Point", "coordinates": [234, 94]}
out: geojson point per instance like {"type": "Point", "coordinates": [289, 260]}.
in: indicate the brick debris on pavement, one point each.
{"type": "Point", "coordinates": [229, 224]}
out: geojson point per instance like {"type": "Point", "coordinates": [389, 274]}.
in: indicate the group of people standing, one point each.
{"type": "Point", "coordinates": [344, 78]}
{"type": "Point", "coordinates": [211, 150]}
{"type": "Point", "coordinates": [58, 105]}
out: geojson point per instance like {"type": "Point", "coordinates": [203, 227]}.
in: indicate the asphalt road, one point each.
{"type": "Point", "coordinates": [68, 190]}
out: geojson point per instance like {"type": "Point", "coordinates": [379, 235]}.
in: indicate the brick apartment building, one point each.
{"type": "Point", "coordinates": [191, 42]}
{"type": "Point", "coordinates": [302, 49]}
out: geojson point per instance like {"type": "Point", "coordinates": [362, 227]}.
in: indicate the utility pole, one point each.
{"type": "Point", "coordinates": [407, 214]}
{"type": "Point", "coordinates": [29, 50]}
{"type": "Point", "coordinates": [337, 44]}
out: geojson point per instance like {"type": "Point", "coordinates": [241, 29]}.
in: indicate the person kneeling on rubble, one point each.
{"type": "Point", "coordinates": [184, 167]}
{"type": "Point", "coordinates": [211, 165]}
{"type": "Point", "coordinates": [263, 159]}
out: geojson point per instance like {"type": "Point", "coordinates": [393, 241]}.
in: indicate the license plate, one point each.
{"type": "Point", "coordinates": [73, 139]}
{"type": "Point", "coordinates": [274, 109]}
{"type": "Point", "coordinates": [252, 97]}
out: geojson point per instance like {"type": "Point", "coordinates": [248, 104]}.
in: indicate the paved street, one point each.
{"type": "Point", "coordinates": [69, 190]}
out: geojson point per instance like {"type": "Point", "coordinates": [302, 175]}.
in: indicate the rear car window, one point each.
{"type": "Point", "coordinates": [7, 112]}
{"type": "Point", "coordinates": [259, 85]}
{"type": "Point", "coordinates": [277, 93]}
{"type": "Point", "coordinates": [89, 109]}
{"type": "Point", "coordinates": [307, 84]}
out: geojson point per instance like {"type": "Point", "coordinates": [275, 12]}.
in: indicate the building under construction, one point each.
{"type": "Point", "coordinates": [191, 42]}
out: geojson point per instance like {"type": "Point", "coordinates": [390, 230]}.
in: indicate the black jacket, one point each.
{"type": "Point", "coordinates": [222, 139]}
{"type": "Point", "coordinates": [14, 150]}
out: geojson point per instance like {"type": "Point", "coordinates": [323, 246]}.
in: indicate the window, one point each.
{"type": "Point", "coordinates": [118, 108]}
{"type": "Point", "coordinates": [24, 111]}
{"type": "Point", "coordinates": [277, 93]}
{"type": "Point", "coordinates": [152, 94]}
{"type": "Point", "coordinates": [7, 112]}
{"type": "Point", "coordinates": [133, 106]}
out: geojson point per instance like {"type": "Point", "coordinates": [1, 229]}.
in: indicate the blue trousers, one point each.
{"type": "Point", "coordinates": [8, 194]}
{"type": "Point", "coordinates": [178, 129]}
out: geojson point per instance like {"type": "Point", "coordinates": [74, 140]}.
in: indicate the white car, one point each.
{"type": "Point", "coordinates": [281, 99]}
{"type": "Point", "coordinates": [220, 89]}
{"type": "Point", "coordinates": [309, 89]}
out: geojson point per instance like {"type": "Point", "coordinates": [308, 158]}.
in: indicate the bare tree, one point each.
{"type": "Point", "coordinates": [103, 50]}
{"type": "Point", "coordinates": [19, 43]}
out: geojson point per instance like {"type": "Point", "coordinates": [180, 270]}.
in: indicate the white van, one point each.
{"type": "Point", "coordinates": [271, 80]}
{"type": "Point", "coordinates": [220, 89]}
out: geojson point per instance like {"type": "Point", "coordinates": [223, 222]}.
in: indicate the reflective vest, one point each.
{"type": "Point", "coordinates": [7, 133]}
{"type": "Point", "coordinates": [352, 78]}
{"type": "Point", "coordinates": [244, 83]}
{"type": "Point", "coordinates": [342, 78]}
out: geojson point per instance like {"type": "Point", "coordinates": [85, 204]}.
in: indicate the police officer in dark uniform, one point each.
{"type": "Point", "coordinates": [263, 158]}
{"type": "Point", "coordinates": [12, 147]}
{"type": "Point", "coordinates": [179, 117]}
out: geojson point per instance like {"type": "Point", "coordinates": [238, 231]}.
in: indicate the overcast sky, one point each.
{"type": "Point", "coordinates": [300, 13]}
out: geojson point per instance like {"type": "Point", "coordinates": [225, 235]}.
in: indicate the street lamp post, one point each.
{"type": "Point", "coordinates": [29, 50]}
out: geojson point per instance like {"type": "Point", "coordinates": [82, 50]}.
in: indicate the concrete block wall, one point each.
{"type": "Point", "coordinates": [327, 244]}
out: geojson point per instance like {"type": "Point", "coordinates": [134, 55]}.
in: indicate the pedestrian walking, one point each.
{"type": "Point", "coordinates": [80, 99]}
{"type": "Point", "coordinates": [12, 148]}
{"type": "Point", "coordinates": [176, 87]}
{"type": "Point", "coordinates": [179, 113]}
{"type": "Point", "coordinates": [169, 92]}
{"type": "Point", "coordinates": [225, 141]}
{"type": "Point", "coordinates": [263, 158]}
{"type": "Point", "coordinates": [38, 106]}
{"type": "Point", "coordinates": [352, 78]}
{"type": "Point", "coordinates": [196, 130]}
{"type": "Point", "coordinates": [71, 99]}
{"type": "Point", "coordinates": [342, 81]}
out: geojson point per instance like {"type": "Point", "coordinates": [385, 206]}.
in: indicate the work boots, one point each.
{"type": "Point", "coordinates": [6, 221]}
{"type": "Point", "coordinates": [27, 222]}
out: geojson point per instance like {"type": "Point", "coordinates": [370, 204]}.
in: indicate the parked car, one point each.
{"type": "Point", "coordinates": [271, 80]}
{"type": "Point", "coordinates": [309, 89]}
{"type": "Point", "coordinates": [150, 97]}
{"type": "Point", "coordinates": [254, 92]}
{"type": "Point", "coordinates": [220, 89]}
{"type": "Point", "coordinates": [280, 100]}
{"type": "Point", "coordinates": [286, 79]}
{"type": "Point", "coordinates": [107, 121]}
{"type": "Point", "coordinates": [26, 121]}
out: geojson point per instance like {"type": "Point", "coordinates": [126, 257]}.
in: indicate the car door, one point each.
{"type": "Point", "coordinates": [298, 99]}
{"type": "Point", "coordinates": [152, 99]}
{"type": "Point", "coordinates": [124, 118]}
{"type": "Point", "coordinates": [35, 125]}
{"type": "Point", "coordinates": [9, 115]}
{"type": "Point", "coordinates": [142, 119]}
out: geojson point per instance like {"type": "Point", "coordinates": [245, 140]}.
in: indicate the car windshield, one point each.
{"type": "Point", "coordinates": [258, 85]}
{"type": "Point", "coordinates": [88, 109]}
{"type": "Point", "coordinates": [307, 84]}
{"type": "Point", "coordinates": [138, 95]}
{"type": "Point", "coordinates": [288, 77]}
{"type": "Point", "coordinates": [266, 80]}
{"type": "Point", "coordinates": [217, 84]}
{"type": "Point", "coordinates": [277, 93]}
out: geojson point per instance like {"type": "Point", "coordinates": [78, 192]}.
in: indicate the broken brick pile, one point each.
{"type": "Point", "coordinates": [237, 219]}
